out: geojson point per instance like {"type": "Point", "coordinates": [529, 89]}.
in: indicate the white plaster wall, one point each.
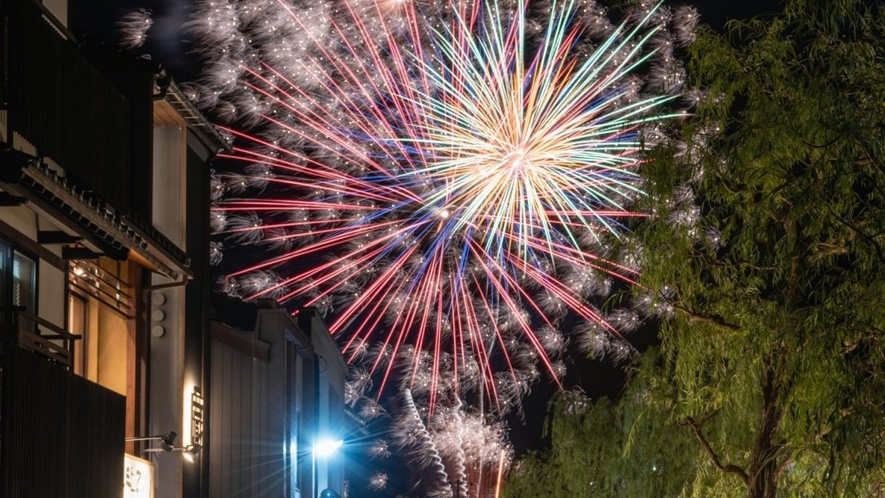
{"type": "Point", "coordinates": [26, 221]}
{"type": "Point", "coordinates": [167, 382]}
{"type": "Point", "coordinates": [167, 387]}
{"type": "Point", "coordinates": [59, 9]}
{"type": "Point", "coordinates": [22, 219]}
{"type": "Point", "coordinates": [169, 196]}
{"type": "Point", "coordinates": [51, 296]}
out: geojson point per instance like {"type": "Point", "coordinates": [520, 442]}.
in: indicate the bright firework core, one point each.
{"type": "Point", "coordinates": [516, 159]}
{"type": "Point", "coordinates": [447, 180]}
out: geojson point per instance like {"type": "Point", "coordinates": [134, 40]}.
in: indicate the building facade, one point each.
{"type": "Point", "coordinates": [113, 379]}
{"type": "Point", "coordinates": [278, 386]}
{"type": "Point", "coordinates": [104, 266]}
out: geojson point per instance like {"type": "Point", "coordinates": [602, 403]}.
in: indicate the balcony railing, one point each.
{"type": "Point", "coordinates": [33, 333]}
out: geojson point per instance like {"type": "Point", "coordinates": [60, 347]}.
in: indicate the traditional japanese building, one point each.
{"type": "Point", "coordinates": [113, 380]}
{"type": "Point", "coordinates": [104, 265]}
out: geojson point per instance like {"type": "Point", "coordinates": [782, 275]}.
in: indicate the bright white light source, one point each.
{"type": "Point", "coordinates": [326, 447]}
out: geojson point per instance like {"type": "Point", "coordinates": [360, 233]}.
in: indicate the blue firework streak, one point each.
{"type": "Point", "coordinates": [459, 167]}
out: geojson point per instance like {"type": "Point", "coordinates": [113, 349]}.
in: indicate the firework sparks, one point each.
{"type": "Point", "coordinates": [443, 178]}
{"type": "Point", "coordinates": [133, 28]}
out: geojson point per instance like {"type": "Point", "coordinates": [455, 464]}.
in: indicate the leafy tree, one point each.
{"type": "Point", "coordinates": [594, 451]}
{"type": "Point", "coordinates": [773, 263]}
{"type": "Point", "coordinates": [584, 440]}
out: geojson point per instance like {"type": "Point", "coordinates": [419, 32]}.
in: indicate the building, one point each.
{"type": "Point", "coordinates": [106, 347]}
{"type": "Point", "coordinates": [103, 256]}
{"type": "Point", "coordinates": [278, 387]}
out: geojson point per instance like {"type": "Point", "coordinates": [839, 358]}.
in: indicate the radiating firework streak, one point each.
{"type": "Point", "coordinates": [444, 177]}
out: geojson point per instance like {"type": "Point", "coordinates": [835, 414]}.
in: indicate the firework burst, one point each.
{"type": "Point", "coordinates": [133, 28]}
{"type": "Point", "coordinates": [445, 179]}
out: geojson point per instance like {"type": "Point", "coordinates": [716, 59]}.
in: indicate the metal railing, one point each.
{"type": "Point", "coordinates": [36, 334]}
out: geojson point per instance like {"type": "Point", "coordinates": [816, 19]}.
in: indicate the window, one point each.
{"type": "Point", "coordinates": [24, 282]}
{"type": "Point", "coordinates": [100, 310]}
{"type": "Point", "coordinates": [18, 282]}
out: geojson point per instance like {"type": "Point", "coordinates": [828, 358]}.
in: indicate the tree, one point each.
{"type": "Point", "coordinates": [605, 449]}
{"type": "Point", "coordinates": [774, 348]}
{"type": "Point", "coordinates": [584, 439]}
{"type": "Point", "coordinates": [772, 260]}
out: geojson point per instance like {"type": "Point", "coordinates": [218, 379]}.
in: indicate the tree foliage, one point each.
{"type": "Point", "coordinates": [772, 258]}
{"type": "Point", "coordinates": [605, 449]}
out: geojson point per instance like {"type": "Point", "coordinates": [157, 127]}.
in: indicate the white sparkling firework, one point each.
{"type": "Point", "coordinates": [133, 28]}
{"type": "Point", "coordinates": [446, 179]}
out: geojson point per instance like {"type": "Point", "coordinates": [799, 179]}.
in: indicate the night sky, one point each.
{"type": "Point", "coordinates": [170, 44]}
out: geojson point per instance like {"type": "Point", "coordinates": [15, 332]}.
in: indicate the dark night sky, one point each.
{"type": "Point", "coordinates": [169, 43]}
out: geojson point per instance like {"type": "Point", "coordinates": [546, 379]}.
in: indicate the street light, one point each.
{"type": "Point", "coordinates": [190, 452]}
{"type": "Point", "coordinates": [327, 447]}
{"type": "Point", "coordinates": [322, 448]}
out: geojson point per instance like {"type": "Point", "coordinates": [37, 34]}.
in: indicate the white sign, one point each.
{"type": "Point", "coordinates": [138, 478]}
{"type": "Point", "coordinates": [198, 413]}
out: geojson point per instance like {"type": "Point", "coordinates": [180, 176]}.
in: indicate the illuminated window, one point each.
{"type": "Point", "coordinates": [100, 310]}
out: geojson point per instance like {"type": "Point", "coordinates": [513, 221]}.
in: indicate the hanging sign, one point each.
{"type": "Point", "coordinates": [138, 477]}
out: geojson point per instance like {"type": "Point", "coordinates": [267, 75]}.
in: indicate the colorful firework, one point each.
{"type": "Point", "coordinates": [460, 452]}
{"type": "Point", "coordinates": [445, 179]}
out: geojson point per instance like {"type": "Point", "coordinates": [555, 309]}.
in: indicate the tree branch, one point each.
{"type": "Point", "coordinates": [704, 318]}
{"type": "Point", "coordinates": [860, 232]}
{"type": "Point", "coordinates": [730, 469]}
{"type": "Point", "coordinates": [824, 250]}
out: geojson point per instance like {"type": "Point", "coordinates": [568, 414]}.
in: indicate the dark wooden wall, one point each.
{"type": "Point", "coordinates": [61, 436]}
